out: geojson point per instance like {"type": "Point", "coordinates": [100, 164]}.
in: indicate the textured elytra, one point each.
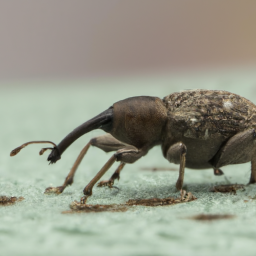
{"type": "Point", "coordinates": [204, 114]}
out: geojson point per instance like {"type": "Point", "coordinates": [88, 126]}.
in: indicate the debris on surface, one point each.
{"type": "Point", "coordinates": [79, 207]}
{"type": "Point", "coordinates": [4, 200]}
{"type": "Point", "coordinates": [154, 169]}
{"type": "Point", "coordinates": [210, 217]}
{"type": "Point", "coordinates": [230, 188]}
{"type": "Point", "coordinates": [162, 201]}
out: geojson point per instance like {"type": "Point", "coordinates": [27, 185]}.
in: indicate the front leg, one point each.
{"type": "Point", "coordinates": [105, 142]}
{"type": "Point", "coordinates": [70, 178]}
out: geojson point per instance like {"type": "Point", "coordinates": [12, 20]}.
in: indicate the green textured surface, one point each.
{"type": "Point", "coordinates": [36, 225]}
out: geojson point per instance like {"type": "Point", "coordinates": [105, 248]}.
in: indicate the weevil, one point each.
{"type": "Point", "coordinates": [198, 129]}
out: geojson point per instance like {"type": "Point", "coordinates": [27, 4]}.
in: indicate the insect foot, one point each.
{"type": "Point", "coordinates": [105, 183]}
{"type": "Point", "coordinates": [58, 190]}
{"type": "Point", "coordinates": [186, 196]}
{"type": "Point", "coordinates": [75, 205]}
{"type": "Point", "coordinates": [218, 172]}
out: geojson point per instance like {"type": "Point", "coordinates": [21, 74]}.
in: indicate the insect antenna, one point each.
{"type": "Point", "coordinates": [18, 149]}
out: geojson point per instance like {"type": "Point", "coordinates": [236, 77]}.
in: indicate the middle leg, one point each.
{"type": "Point", "coordinates": [116, 175]}
{"type": "Point", "coordinates": [177, 154]}
{"type": "Point", "coordinates": [129, 154]}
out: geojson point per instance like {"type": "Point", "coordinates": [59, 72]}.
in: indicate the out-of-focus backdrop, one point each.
{"type": "Point", "coordinates": [91, 38]}
{"type": "Point", "coordinates": [63, 62]}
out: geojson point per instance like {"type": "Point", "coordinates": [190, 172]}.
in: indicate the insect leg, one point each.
{"type": "Point", "coordinates": [177, 154]}
{"type": "Point", "coordinates": [106, 142]}
{"type": "Point", "coordinates": [70, 177]}
{"type": "Point", "coordinates": [129, 154]}
{"type": "Point", "coordinates": [116, 175]}
{"type": "Point", "coordinates": [253, 170]}
{"type": "Point", "coordinates": [240, 148]}
{"type": "Point", "coordinates": [89, 187]}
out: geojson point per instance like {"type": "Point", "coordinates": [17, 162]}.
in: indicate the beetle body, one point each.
{"type": "Point", "coordinates": [195, 128]}
{"type": "Point", "coordinates": [204, 120]}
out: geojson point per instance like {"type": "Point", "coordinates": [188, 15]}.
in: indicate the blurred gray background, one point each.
{"type": "Point", "coordinates": [63, 62]}
{"type": "Point", "coordinates": [96, 38]}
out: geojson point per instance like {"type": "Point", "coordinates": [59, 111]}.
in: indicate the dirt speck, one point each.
{"type": "Point", "coordinates": [161, 201]}
{"type": "Point", "coordinates": [4, 200]}
{"type": "Point", "coordinates": [211, 217]}
{"type": "Point", "coordinates": [77, 207]}
{"type": "Point", "coordinates": [230, 188]}
{"type": "Point", "coordinates": [155, 169]}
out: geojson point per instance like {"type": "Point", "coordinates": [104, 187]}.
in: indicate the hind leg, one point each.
{"type": "Point", "coordinates": [177, 154]}
{"type": "Point", "coordinates": [253, 171]}
{"type": "Point", "coordinates": [241, 148]}
{"type": "Point", "coordinates": [106, 142]}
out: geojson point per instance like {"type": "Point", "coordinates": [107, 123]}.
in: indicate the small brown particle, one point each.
{"type": "Point", "coordinates": [4, 200]}
{"type": "Point", "coordinates": [232, 188]}
{"type": "Point", "coordinates": [154, 169]}
{"type": "Point", "coordinates": [78, 207]}
{"type": "Point", "coordinates": [210, 217]}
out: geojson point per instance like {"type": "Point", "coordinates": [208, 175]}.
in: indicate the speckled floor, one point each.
{"type": "Point", "coordinates": [37, 226]}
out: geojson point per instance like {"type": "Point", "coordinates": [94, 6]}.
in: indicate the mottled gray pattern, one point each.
{"type": "Point", "coordinates": [204, 114]}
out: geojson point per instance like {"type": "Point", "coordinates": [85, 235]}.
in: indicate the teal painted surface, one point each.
{"type": "Point", "coordinates": [36, 225]}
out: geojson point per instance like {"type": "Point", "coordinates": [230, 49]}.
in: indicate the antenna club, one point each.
{"type": "Point", "coordinates": [15, 151]}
